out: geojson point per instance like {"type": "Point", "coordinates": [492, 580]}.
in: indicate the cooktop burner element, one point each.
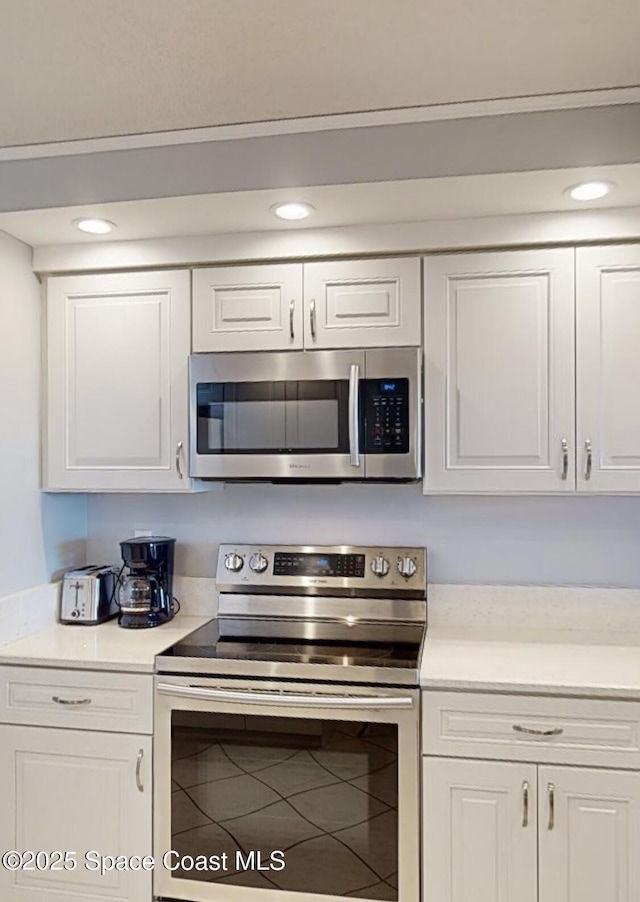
{"type": "Point", "coordinates": [339, 613]}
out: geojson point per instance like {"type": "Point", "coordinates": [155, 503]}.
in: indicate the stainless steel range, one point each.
{"type": "Point", "coordinates": [287, 731]}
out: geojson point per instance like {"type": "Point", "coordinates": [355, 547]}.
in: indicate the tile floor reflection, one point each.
{"type": "Point", "coordinates": [327, 796]}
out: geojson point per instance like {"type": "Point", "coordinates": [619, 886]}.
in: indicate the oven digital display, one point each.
{"type": "Point", "coordinates": [338, 565]}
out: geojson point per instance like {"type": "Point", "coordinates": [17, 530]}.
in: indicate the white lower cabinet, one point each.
{"type": "Point", "coordinates": [479, 831]}
{"type": "Point", "coordinates": [589, 835]}
{"type": "Point", "coordinates": [74, 791]}
{"type": "Point", "coordinates": [500, 831]}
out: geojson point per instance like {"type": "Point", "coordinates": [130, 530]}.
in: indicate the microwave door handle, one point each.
{"type": "Point", "coordinates": [282, 700]}
{"type": "Point", "coordinates": [354, 415]}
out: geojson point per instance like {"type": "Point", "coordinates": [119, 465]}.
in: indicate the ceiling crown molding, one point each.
{"type": "Point", "coordinates": [599, 134]}
{"type": "Point", "coordinates": [436, 113]}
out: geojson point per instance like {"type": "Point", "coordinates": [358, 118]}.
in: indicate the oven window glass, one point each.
{"type": "Point", "coordinates": [272, 417]}
{"type": "Point", "coordinates": [286, 804]}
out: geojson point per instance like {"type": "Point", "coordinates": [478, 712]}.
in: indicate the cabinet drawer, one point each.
{"type": "Point", "coordinates": [116, 702]}
{"type": "Point", "coordinates": [531, 728]}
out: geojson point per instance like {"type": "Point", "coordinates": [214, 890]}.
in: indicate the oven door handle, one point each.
{"type": "Point", "coordinates": [354, 415]}
{"type": "Point", "coordinates": [281, 700]}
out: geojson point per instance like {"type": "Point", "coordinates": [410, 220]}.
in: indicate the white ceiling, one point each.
{"type": "Point", "coordinates": [71, 69]}
{"type": "Point", "coordinates": [399, 201]}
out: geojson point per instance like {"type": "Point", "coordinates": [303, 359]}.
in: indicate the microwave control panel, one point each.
{"type": "Point", "coordinates": [385, 408]}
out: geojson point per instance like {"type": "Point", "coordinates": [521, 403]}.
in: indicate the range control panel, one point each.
{"type": "Point", "coordinates": [334, 569]}
{"type": "Point", "coordinates": [386, 416]}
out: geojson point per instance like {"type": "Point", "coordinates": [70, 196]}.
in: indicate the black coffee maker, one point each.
{"type": "Point", "coordinates": [145, 593]}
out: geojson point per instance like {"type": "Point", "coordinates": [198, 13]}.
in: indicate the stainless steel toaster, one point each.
{"type": "Point", "coordinates": [88, 595]}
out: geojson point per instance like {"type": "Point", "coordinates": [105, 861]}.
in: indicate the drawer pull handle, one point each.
{"type": "Point", "coordinates": [292, 307]}
{"type": "Point", "coordinates": [138, 766]}
{"type": "Point", "coordinates": [551, 792]}
{"type": "Point", "coordinates": [525, 803]}
{"type": "Point", "coordinates": [556, 731]}
{"type": "Point", "coordinates": [70, 701]}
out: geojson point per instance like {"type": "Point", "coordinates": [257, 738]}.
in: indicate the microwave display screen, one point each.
{"type": "Point", "coordinates": [339, 565]}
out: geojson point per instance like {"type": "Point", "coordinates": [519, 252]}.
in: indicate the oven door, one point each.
{"type": "Point", "coordinates": [275, 416]}
{"type": "Point", "coordinates": [285, 792]}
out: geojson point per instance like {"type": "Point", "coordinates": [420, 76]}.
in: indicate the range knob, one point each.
{"type": "Point", "coordinates": [379, 565]}
{"type": "Point", "coordinates": [234, 562]}
{"type": "Point", "coordinates": [406, 566]}
{"type": "Point", "coordinates": [258, 562]}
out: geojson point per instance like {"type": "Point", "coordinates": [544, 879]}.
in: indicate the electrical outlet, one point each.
{"type": "Point", "coordinates": [142, 533]}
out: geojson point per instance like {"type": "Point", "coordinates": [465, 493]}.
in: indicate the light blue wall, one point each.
{"type": "Point", "coordinates": [39, 535]}
{"type": "Point", "coordinates": [501, 540]}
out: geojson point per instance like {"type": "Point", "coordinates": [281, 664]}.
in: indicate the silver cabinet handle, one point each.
{"type": "Point", "coordinates": [312, 318]}
{"type": "Point", "coordinates": [525, 803]}
{"type": "Point", "coordinates": [556, 731]}
{"type": "Point", "coordinates": [70, 701]}
{"type": "Point", "coordinates": [179, 447]}
{"type": "Point", "coordinates": [551, 795]}
{"type": "Point", "coordinates": [281, 700]}
{"type": "Point", "coordinates": [292, 307]}
{"type": "Point", "coordinates": [138, 766]}
{"type": "Point", "coordinates": [565, 459]}
{"type": "Point", "coordinates": [588, 460]}
{"type": "Point", "coordinates": [354, 415]}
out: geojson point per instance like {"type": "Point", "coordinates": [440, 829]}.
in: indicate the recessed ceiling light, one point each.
{"type": "Point", "coordinates": [292, 210]}
{"type": "Point", "coordinates": [589, 190]}
{"type": "Point", "coordinates": [94, 226]}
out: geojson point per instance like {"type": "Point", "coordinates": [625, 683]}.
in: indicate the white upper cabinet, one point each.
{"type": "Point", "coordinates": [117, 386]}
{"type": "Point", "coordinates": [362, 303]}
{"type": "Point", "coordinates": [345, 304]}
{"type": "Point", "coordinates": [608, 369]}
{"type": "Point", "coordinates": [247, 308]}
{"type": "Point", "coordinates": [499, 372]}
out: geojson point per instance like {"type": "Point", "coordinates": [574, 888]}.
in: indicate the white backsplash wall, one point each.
{"type": "Point", "coordinates": [39, 535]}
{"type": "Point", "coordinates": [471, 540]}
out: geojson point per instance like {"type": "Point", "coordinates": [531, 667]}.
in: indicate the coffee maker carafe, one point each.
{"type": "Point", "coordinates": [144, 595]}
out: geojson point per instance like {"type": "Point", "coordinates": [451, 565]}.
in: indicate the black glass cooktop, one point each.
{"type": "Point", "coordinates": [271, 642]}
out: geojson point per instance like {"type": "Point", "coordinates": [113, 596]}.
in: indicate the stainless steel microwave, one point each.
{"type": "Point", "coordinates": [306, 415]}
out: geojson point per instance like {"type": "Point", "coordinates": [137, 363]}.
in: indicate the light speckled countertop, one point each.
{"type": "Point", "coordinates": [103, 647]}
{"type": "Point", "coordinates": [466, 646]}
{"type": "Point", "coordinates": [554, 662]}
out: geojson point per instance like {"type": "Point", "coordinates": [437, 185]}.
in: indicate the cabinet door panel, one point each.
{"type": "Point", "coordinates": [608, 334]}
{"type": "Point", "coordinates": [74, 791]}
{"type": "Point", "coordinates": [479, 831]}
{"type": "Point", "coordinates": [117, 381]}
{"type": "Point", "coordinates": [362, 303]}
{"type": "Point", "coordinates": [499, 372]}
{"type": "Point", "coordinates": [248, 308]}
{"type": "Point", "coordinates": [589, 835]}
